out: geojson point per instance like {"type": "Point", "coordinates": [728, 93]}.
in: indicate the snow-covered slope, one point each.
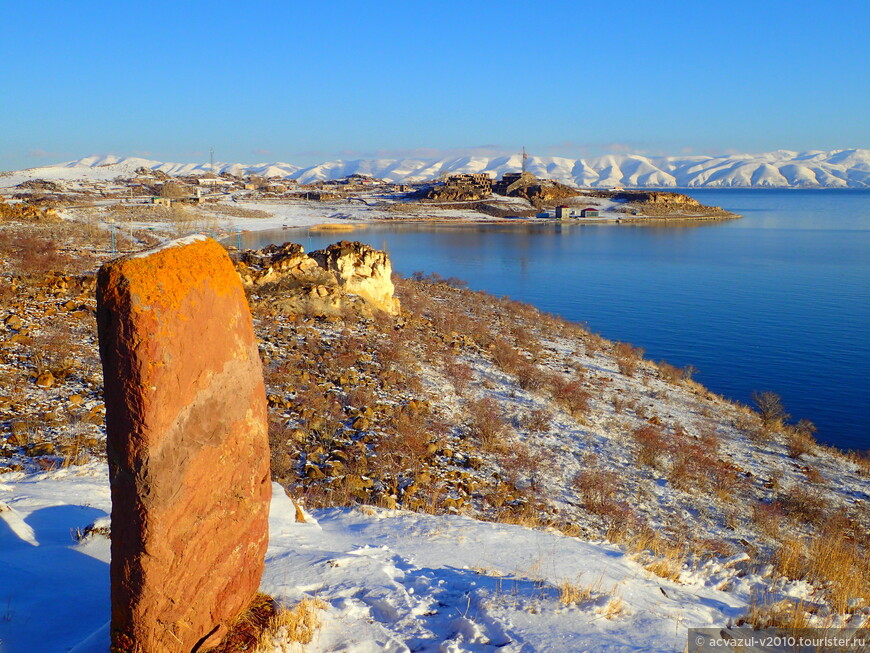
{"type": "Point", "coordinates": [389, 580]}
{"type": "Point", "coordinates": [783, 168]}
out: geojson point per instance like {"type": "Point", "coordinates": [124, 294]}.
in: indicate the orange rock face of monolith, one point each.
{"type": "Point", "coordinates": [187, 446]}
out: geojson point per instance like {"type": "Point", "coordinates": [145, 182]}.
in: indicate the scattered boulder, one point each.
{"type": "Point", "coordinates": [45, 379]}
{"type": "Point", "coordinates": [187, 446]}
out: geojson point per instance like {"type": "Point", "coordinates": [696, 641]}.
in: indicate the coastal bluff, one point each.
{"type": "Point", "coordinates": [187, 446]}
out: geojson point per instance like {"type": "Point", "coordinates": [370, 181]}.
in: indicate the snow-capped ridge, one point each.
{"type": "Point", "coordinates": [779, 169]}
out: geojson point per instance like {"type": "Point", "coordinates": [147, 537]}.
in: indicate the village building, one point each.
{"type": "Point", "coordinates": [589, 212]}
{"type": "Point", "coordinates": [213, 181]}
{"type": "Point", "coordinates": [359, 179]}
{"type": "Point", "coordinates": [481, 182]}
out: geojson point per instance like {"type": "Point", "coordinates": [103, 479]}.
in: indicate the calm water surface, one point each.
{"type": "Point", "coordinates": [779, 300]}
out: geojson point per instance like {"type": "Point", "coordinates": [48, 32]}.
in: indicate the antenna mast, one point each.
{"type": "Point", "coordinates": [525, 156]}
{"type": "Point", "coordinates": [211, 155]}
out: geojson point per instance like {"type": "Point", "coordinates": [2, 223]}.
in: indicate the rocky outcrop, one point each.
{"type": "Point", "coordinates": [187, 446]}
{"type": "Point", "coordinates": [323, 282]}
{"type": "Point", "coordinates": [24, 212]}
{"type": "Point", "coordinates": [360, 270]}
{"type": "Point", "coordinates": [662, 203]}
{"type": "Point", "coordinates": [538, 192]}
{"type": "Point", "coordinates": [40, 184]}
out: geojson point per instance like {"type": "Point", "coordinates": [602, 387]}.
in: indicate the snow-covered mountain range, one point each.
{"type": "Point", "coordinates": [780, 169]}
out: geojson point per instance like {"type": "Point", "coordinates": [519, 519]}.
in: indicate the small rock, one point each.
{"type": "Point", "coordinates": [41, 449]}
{"type": "Point", "coordinates": [13, 322]}
{"type": "Point", "coordinates": [75, 400]}
{"type": "Point", "coordinates": [334, 468]}
{"type": "Point", "coordinates": [356, 482]}
{"type": "Point", "coordinates": [45, 380]}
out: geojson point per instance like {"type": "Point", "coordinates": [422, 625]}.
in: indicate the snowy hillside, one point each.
{"type": "Point", "coordinates": [389, 580]}
{"type": "Point", "coordinates": [783, 169]}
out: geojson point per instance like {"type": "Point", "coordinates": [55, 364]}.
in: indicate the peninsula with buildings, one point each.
{"type": "Point", "coordinates": [142, 195]}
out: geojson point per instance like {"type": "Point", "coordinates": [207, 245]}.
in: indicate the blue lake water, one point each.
{"type": "Point", "coordinates": [779, 300]}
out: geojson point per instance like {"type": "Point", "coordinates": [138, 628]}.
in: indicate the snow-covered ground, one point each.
{"type": "Point", "coordinates": [392, 580]}
{"type": "Point", "coordinates": [782, 168]}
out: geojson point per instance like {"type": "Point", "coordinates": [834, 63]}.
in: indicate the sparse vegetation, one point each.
{"type": "Point", "coordinates": [770, 409]}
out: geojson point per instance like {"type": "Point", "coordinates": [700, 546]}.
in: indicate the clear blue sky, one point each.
{"type": "Point", "coordinates": [308, 82]}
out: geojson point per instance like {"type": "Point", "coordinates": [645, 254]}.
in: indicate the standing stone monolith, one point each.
{"type": "Point", "coordinates": [187, 445]}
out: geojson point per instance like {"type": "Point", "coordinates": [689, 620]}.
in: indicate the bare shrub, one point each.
{"type": "Point", "coordinates": [53, 352]}
{"type": "Point", "coordinates": [506, 356]}
{"type": "Point", "coordinates": [861, 460]}
{"type": "Point", "coordinates": [800, 439]}
{"type": "Point", "coordinates": [537, 421]}
{"type": "Point", "coordinates": [407, 445]}
{"type": "Point", "coordinates": [652, 444]}
{"type": "Point", "coordinates": [768, 518]}
{"type": "Point", "coordinates": [175, 190]}
{"type": "Point", "coordinates": [34, 253]}
{"type": "Point", "coordinates": [669, 373]}
{"type": "Point", "coordinates": [673, 374]}
{"type": "Point", "coordinates": [627, 357]}
{"type": "Point", "coordinates": [460, 375]}
{"type": "Point", "coordinates": [770, 409]}
{"type": "Point", "coordinates": [596, 486]}
{"type": "Point", "coordinates": [750, 425]}
{"type": "Point", "coordinates": [570, 395]}
{"type": "Point", "coordinates": [803, 504]}
{"type": "Point", "coordinates": [486, 424]}
{"type": "Point", "coordinates": [530, 377]}
{"type": "Point", "coordinates": [619, 403]}
{"type": "Point", "coordinates": [693, 467]}
{"type": "Point", "coordinates": [359, 396]}
{"type": "Point", "coordinates": [522, 466]}
{"type": "Point", "coordinates": [320, 414]}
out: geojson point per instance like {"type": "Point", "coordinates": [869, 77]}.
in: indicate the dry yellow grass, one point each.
{"type": "Point", "coordinates": [833, 563]}
{"type": "Point", "coordinates": [666, 567]}
{"type": "Point", "coordinates": [663, 557]}
{"type": "Point", "coordinates": [576, 594]}
{"type": "Point", "coordinates": [767, 613]}
{"type": "Point", "coordinates": [613, 608]}
{"type": "Point", "coordinates": [295, 625]}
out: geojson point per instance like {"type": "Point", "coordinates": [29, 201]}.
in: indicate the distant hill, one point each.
{"type": "Point", "coordinates": [780, 169]}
